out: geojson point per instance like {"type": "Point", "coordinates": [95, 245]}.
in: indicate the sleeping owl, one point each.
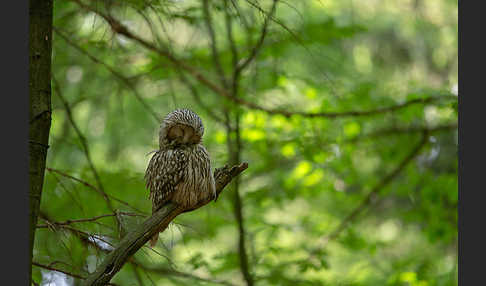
{"type": "Point", "coordinates": [180, 171]}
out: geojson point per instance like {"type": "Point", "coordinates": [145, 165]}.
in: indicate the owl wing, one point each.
{"type": "Point", "coordinates": [164, 172]}
{"type": "Point", "coordinates": [206, 170]}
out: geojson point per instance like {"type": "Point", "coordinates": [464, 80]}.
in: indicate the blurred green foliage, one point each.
{"type": "Point", "coordinates": [306, 174]}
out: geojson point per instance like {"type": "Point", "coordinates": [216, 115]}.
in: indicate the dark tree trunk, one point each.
{"type": "Point", "coordinates": [40, 47]}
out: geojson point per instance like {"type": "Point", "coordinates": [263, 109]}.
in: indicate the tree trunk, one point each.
{"type": "Point", "coordinates": [40, 47]}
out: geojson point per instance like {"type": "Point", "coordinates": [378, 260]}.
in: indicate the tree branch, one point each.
{"type": "Point", "coordinates": [229, 34]}
{"type": "Point", "coordinates": [403, 130]}
{"type": "Point", "coordinates": [372, 194]}
{"type": "Point", "coordinates": [57, 270]}
{"type": "Point", "coordinates": [297, 38]}
{"type": "Point", "coordinates": [134, 240]}
{"type": "Point", "coordinates": [195, 94]}
{"type": "Point", "coordinates": [122, 78]}
{"type": "Point", "coordinates": [235, 151]}
{"type": "Point", "coordinates": [89, 240]}
{"type": "Point", "coordinates": [83, 140]}
{"type": "Point", "coordinates": [48, 267]}
{"type": "Point", "coordinates": [85, 146]}
{"type": "Point", "coordinates": [352, 113]}
{"type": "Point", "coordinates": [119, 28]}
{"type": "Point", "coordinates": [84, 236]}
{"type": "Point", "coordinates": [71, 221]}
{"type": "Point", "coordinates": [258, 45]}
{"type": "Point", "coordinates": [90, 186]}
{"type": "Point", "coordinates": [172, 272]}
{"type": "Point", "coordinates": [214, 50]}
{"type": "Point", "coordinates": [293, 34]}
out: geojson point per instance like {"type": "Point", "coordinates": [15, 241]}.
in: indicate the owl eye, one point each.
{"type": "Point", "coordinates": [175, 132]}
{"type": "Point", "coordinates": [196, 139]}
{"type": "Point", "coordinates": [184, 134]}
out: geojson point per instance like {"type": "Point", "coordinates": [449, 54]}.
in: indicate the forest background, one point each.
{"type": "Point", "coordinates": [346, 112]}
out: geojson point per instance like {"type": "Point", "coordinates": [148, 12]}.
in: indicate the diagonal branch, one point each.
{"type": "Point", "coordinates": [258, 45]}
{"type": "Point", "coordinates": [57, 270]}
{"type": "Point", "coordinates": [121, 29]}
{"type": "Point", "coordinates": [87, 240]}
{"type": "Point", "coordinates": [84, 142]}
{"type": "Point", "coordinates": [84, 236]}
{"type": "Point", "coordinates": [373, 194]}
{"type": "Point", "coordinates": [137, 238]}
{"type": "Point", "coordinates": [49, 267]}
{"type": "Point", "coordinates": [118, 75]}
{"type": "Point", "coordinates": [243, 20]}
{"type": "Point", "coordinates": [86, 149]}
{"type": "Point", "coordinates": [298, 39]}
{"type": "Point", "coordinates": [90, 186]}
{"type": "Point", "coordinates": [271, 17]}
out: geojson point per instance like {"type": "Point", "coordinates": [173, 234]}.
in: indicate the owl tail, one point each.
{"type": "Point", "coordinates": [153, 240]}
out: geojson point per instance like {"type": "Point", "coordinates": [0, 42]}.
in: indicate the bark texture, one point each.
{"type": "Point", "coordinates": [40, 47]}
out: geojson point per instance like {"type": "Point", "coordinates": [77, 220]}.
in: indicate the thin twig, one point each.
{"type": "Point", "coordinates": [84, 142]}
{"type": "Point", "coordinates": [386, 131]}
{"type": "Point", "coordinates": [299, 41]}
{"type": "Point", "coordinates": [259, 44]}
{"type": "Point", "coordinates": [89, 238]}
{"type": "Point", "coordinates": [149, 24]}
{"type": "Point", "coordinates": [243, 21]}
{"type": "Point", "coordinates": [65, 188]}
{"type": "Point", "coordinates": [83, 235]}
{"type": "Point", "coordinates": [121, 29]}
{"type": "Point", "coordinates": [213, 43]}
{"type": "Point", "coordinates": [63, 271]}
{"type": "Point", "coordinates": [172, 272]}
{"type": "Point", "coordinates": [57, 270]}
{"type": "Point", "coordinates": [195, 94]}
{"type": "Point", "coordinates": [90, 186]}
{"type": "Point", "coordinates": [71, 221]}
{"type": "Point", "coordinates": [353, 113]}
{"type": "Point", "coordinates": [229, 35]}
{"type": "Point", "coordinates": [271, 17]}
{"type": "Point", "coordinates": [122, 78]}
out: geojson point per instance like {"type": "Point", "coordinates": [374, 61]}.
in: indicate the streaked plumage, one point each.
{"type": "Point", "coordinates": [180, 171]}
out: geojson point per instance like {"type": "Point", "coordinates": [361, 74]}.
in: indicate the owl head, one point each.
{"type": "Point", "coordinates": [181, 127]}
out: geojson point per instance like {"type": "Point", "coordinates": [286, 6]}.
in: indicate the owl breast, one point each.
{"type": "Point", "coordinates": [198, 182]}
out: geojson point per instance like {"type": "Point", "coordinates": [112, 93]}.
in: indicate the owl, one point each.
{"type": "Point", "coordinates": [180, 171]}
